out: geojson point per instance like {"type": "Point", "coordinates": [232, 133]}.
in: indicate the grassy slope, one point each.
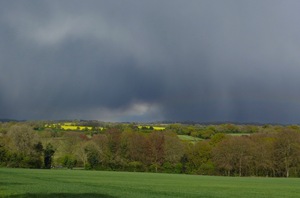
{"type": "Point", "coordinates": [67, 183]}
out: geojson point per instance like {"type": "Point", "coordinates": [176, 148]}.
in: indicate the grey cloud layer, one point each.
{"type": "Point", "coordinates": [150, 60]}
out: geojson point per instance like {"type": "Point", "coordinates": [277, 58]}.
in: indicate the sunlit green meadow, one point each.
{"type": "Point", "coordinates": [81, 183]}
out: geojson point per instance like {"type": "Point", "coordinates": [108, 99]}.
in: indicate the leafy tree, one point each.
{"type": "Point", "coordinates": [262, 163]}
{"type": "Point", "coordinates": [22, 138]}
{"type": "Point", "coordinates": [70, 142]}
{"type": "Point", "coordinates": [206, 133]}
{"type": "Point", "coordinates": [134, 148]}
{"type": "Point", "coordinates": [48, 155]}
{"type": "Point", "coordinates": [249, 129]}
{"type": "Point", "coordinates": [156, 154]}
{"type": "Point", "coordinates": [135, 166]}
{"type": "Point", "coordinates": [80, 152]}
{"type": "Point", "coordinates": [102, 142]}
{"type": "Point", "coordinates": [219, 137]}
{"type": "Point", "coordinates": [199, 158]}
{"type": "Point", "coordinates": [35, 157]}
{"type": "Point", "coordinates": [173, 152]}
{"type": "Point", "coordinates": [114, 138]}
{"type": "Point", "coordinates": [24, 147]}
{"type": "Point", "coordinates": [232, 154]}
{"type": "Point", "coordinates": [93, 155]}
{"type": "Point", "coordinates": [69, 161]}
{"type": "Point", "coordinates": [229, 128]}
{"type": "Point", "coordinates": [173, 148]}
{"type": "Point", "coordinates": [287, 150]}
{"type": "Point", "coordinates": [3, 151]}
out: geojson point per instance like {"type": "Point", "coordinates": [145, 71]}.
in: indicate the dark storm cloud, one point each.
{"type": "Point", "coordinates": [150, 60]}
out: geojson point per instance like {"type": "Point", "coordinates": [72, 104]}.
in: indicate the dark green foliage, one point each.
{"type": "Point", "coordinates": [135, 166]}
{"type": "Point", "coordinates": [48, 154]}
{"type": "Point", "coordinates": [3, 153]}
{"type": "Point", "coordinates": [168, 167]}
{"type": "Point", "coordinates": [93, 158]}
{"type": "Point", "coordinates": [14, 160]}
{"type": "Point", "coordinates": [69, 161]}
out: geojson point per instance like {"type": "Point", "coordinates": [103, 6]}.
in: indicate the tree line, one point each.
{"type": "Point", "coordinates": [271, 152]}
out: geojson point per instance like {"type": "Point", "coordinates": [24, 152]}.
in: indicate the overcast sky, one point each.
{"type": "Point", "coordinates": [151, 60]}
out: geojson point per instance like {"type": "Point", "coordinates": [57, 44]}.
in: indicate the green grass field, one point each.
{"type": "Point", "coordinates": [189, 138]}
{"type": "Point", "coordinates": [80, 183]}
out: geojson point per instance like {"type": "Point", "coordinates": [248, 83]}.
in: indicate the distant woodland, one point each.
{"type": "Point", "coordinates": [223, 149]}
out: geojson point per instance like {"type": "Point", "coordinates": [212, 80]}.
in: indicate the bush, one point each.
{"type": "Point", "coordinates": [69, 161]}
